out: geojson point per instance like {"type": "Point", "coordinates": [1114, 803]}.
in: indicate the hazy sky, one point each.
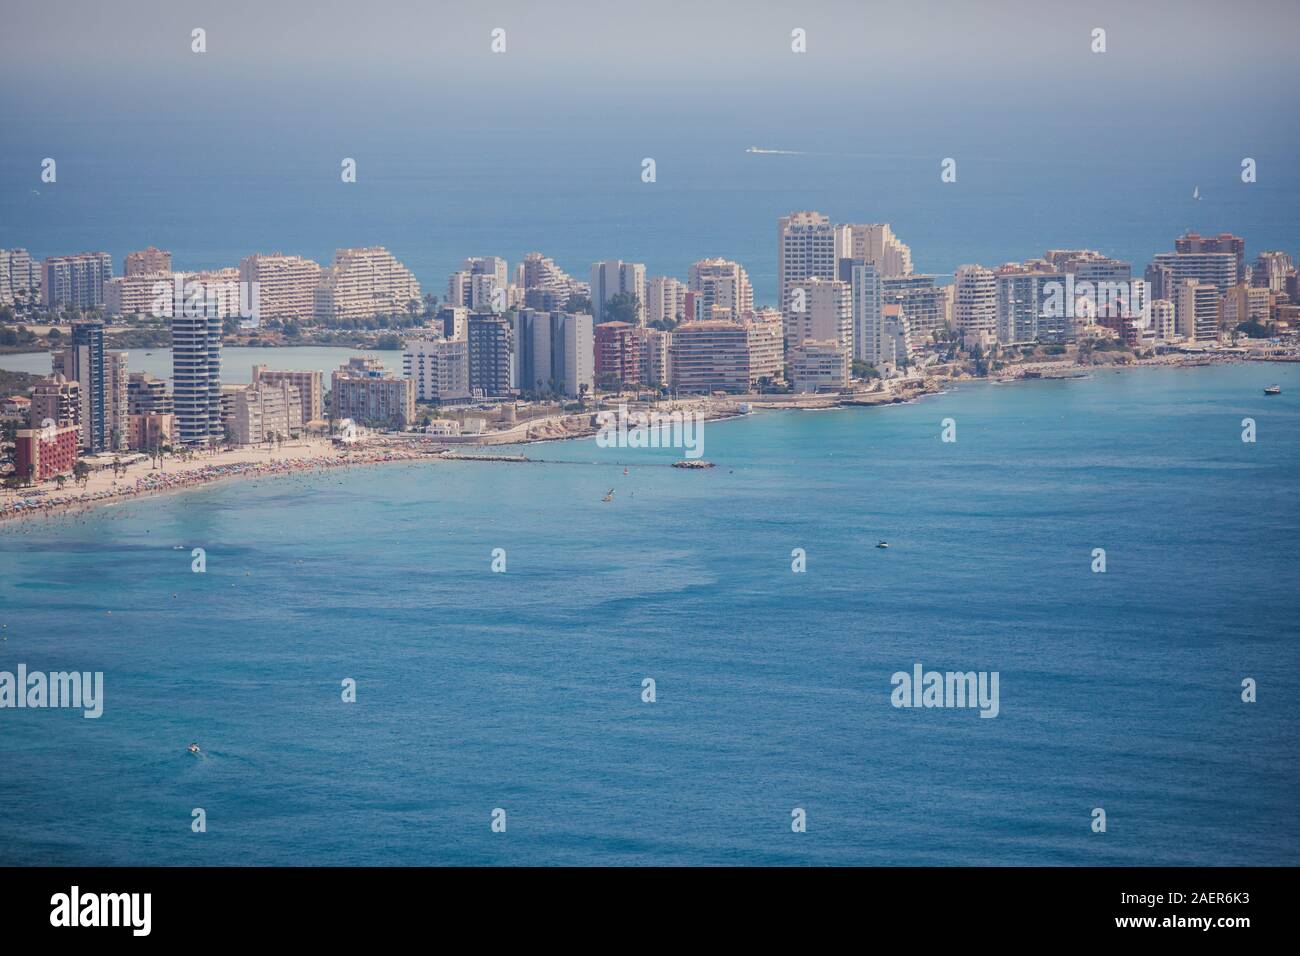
{"type": "Point", "coordinates": [463, 151]}
{"type": "Point", "coordinates": [701, 60]}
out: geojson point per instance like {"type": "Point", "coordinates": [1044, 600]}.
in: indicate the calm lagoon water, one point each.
{"type": "Point", "coordinates": [522, 690]}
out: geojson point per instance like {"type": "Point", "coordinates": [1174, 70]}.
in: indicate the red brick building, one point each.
{"type": "Point", "coordinates": [44, 453]}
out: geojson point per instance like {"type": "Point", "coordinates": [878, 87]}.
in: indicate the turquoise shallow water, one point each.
{"type": "Point", "coordinates": [522, 690]}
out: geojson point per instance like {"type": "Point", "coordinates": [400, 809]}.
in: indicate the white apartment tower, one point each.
{"type": "Point", "coordinates": [975, 308]}
{"type": "Point", "coordinates": [722, 284]}
{"type": "Point", "coordinates": [363, 283]}
{"type": "Point", "coordinates": [876, 243]}
{"type": "Point", "coordinates": [286, 284]}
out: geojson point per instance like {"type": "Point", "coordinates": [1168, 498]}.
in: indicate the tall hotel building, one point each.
{"type": "Point", "coordinates": [196, 375]}
{"type": "Point", "coordinates": [723, 287]}
{"type": "Point", "coordinates": [363, 283]}
{"type": "Point", "coordinates": [286, 285]}
{"type": "Point", "coordinates": [364, 391]}
{"type": "Point", "coordinates": [612, 278]}
{"type": "Point", "coordinates": [976, 306]}
{"type": "Point", "coordinates": [808, 247]}
{"type": "Point", "coordinates": [439, 368]}
{"type": "Point", "coordinates": [75, 281]}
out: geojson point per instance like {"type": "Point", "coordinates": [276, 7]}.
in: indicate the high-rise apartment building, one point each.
{"type": "Point", "coordinates": [196, 376]}
{"type": "Point", "coordinates": [725, 356]}
{"type": "Point", "coordinates": [286, 285]}
{"type": "Point", "coordinates": [20, 276]}
{"type": "Point", "coordinates": [922, 303]}
{"type": "Point", "coordinates": [1270, 271]}
{"type": "Point", "coordinates": [492, 368]}
{"type": "Point", "coordinates": [75, 281]}
{"type": "Point", "coordinates": [827, 314]}
{"type": "Point", "coordinates": [439, 368]}
{"type": "Point", "coordinates": [146, 394]}
{"type": "Point", "coordinates": [368, 394]}
{"type": "Point", "coordinates": [976, 305]}
{"type": "Point", "coordinates": [57, 400]}
{"type": "Point", "coordinates": [819, 366]}
{"type": "Point", "coordinates": [618, 355]}
{"type": "Point", "coordinates": [264, 411]}
{"type": "Point", "coordinates": [723, 287]}
{"type": "Point", "coordinates": [554, 352]}
{"type": "Point", "coordinates": [667, 299]}
{"type": "Point", "coordinates": [875, 243]}
{"type": "Point", "coordinates": [85, 363]}
{"type": "Point", "coordinates": [310, 386]}
{"type": "Point", "coordinates": [363, 283]}
{"type": "Point", "coordinates": [808, 247]}
{"type": "Point", "coordinates": [1169, 270]}
{"type": "Point", "coordinates": [147, 261]}
{"type": "Point", "coordinates": [865, 291]}
{"type": "Point", "coordinates": [1196, 310]}
{"type": "Point", "coordinates": [1224, 243]}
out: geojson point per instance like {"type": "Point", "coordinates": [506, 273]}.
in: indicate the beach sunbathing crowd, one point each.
{"type": "Point", "coordinates": [12, 506]}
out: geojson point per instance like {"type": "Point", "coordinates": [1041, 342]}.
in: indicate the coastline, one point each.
{"type": "Point", "coordinates": [308, 456]}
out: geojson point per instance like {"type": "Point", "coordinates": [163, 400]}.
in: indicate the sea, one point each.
{"type": "Point", "coordinates": [214, 188]}
{"type": "Point", "coordinates": [647, 680]}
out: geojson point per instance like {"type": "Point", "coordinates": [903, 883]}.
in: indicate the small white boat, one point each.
{"type": "Point", "coordinates": [882, 544]}
{"type": "Point", "coordinates": [193, 748]}
{"type": "Point", "coordinates": [1273, 390]}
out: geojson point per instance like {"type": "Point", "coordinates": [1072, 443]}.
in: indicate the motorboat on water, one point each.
{"type": "Point", "coordinates": [1273, 390]}
{"type": "Point", "coordinates": [193, 748]}
{"type": "Point", "coordinates": [609, 495]}
{"type": "Point", "coordinates": [882, 544]}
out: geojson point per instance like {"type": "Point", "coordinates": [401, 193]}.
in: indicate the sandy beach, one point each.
{"type": "Point", "coordinates": [141, 478]}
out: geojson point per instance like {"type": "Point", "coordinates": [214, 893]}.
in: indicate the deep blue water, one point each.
{"type": "Point", "coordinates": [213, 189]}
{"type": "Point", "coordinates": [522, 690]}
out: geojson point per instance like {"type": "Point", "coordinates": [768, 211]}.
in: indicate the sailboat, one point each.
{"type": "Point", "coordinates": [1196, 192]}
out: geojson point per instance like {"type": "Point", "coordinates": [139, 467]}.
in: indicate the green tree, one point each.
{"type": "Point", "coordinates": [622, 307]}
